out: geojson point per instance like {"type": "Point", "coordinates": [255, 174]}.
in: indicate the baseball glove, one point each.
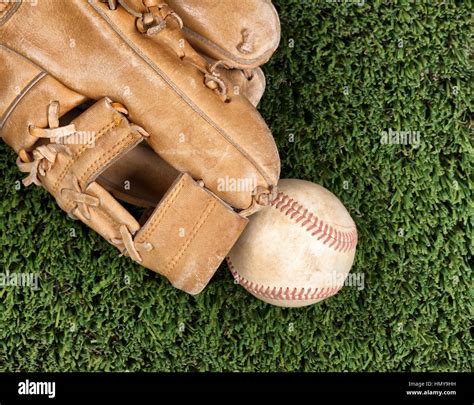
{"type": "Point", "coordinates": [141, 83]}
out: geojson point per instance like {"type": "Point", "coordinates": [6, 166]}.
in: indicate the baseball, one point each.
{"type": "Point", "coordinates": [297, 251]}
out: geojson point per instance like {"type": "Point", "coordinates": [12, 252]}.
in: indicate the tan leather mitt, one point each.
{"type": "Point", "coordinates": [144, 84]}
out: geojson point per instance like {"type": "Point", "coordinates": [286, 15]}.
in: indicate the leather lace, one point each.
{"type": "Point", "coordinates": [43, 159]}
{"type": "Point", "coordinates": [44, 156]}
{"type": "Point", "coordinates": [154, 21]}
{"type": "Point", "coordinates": [130, 247]}
{"type": "Point", "coordinates": [82, 201]}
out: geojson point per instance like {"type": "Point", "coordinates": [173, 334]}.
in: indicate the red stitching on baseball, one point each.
{"type": "Point", "coordinates": [342, 241]}
{"type": "Point", "coordinates": [281, 293]}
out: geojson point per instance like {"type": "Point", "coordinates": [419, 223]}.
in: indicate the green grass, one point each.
{"type": "Point", "coordinates": [406, 67]}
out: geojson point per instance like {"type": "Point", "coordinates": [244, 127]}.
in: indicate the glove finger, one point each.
{"type": "Point", "coordinates": [244, 33]}
{"type": "Point", "coordinates": [250, 83]}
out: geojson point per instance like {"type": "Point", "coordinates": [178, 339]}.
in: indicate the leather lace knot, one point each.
{"type": "Point", "coordinates": [130, 247]}
{"type": "Point", "coordinates": [44, 156]}
{"type": "Point", "coordinates": [212, 79]}
{"type": "Point", "coordinates": [43, 159]}
{"type": "Point", "coordinates": [154, 20]}
{"type": "Point", "coordinates": [82, 201]}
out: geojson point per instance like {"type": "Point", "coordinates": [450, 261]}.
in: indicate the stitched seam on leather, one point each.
{"type": "Point", "coordinates": [81, 150]}
{"type": "Point", "coordinates": [283, 293]}
{"type": "Point", "coordinates": [341, 241]}
{"type": "Point", "coordinates": [163, 209]}
{"type": "Point", "coordinates": [9, 11]}
{"type": "Point", "coordinates": [207, 212]}
{"type": "Point", "coordinates": [224, 52]}
{"type": "Point", "coordinates": [20, 97]}
{"type": "Point", "coordinates": [108, 155]}
{"type": "Point", "coordinates": [168, 81]}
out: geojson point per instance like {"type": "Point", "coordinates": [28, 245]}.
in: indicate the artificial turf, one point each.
{"type": "Point", "coordinates": [344, 73]}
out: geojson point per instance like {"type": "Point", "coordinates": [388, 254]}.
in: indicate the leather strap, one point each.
{"type": "Point", "coordinates": [194, 231]}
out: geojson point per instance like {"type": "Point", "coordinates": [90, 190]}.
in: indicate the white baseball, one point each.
{"type": "Point", "coordinates": [299, 250]}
